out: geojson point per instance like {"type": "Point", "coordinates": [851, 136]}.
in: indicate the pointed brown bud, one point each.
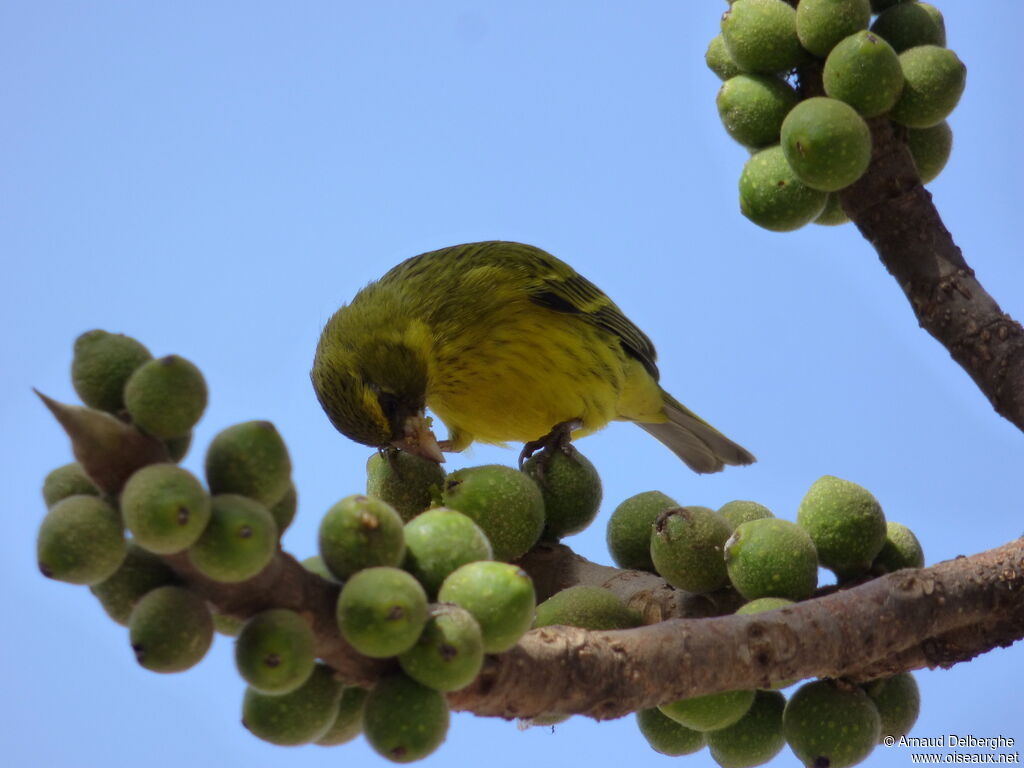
{"type": "Point", "coordinates": [108, 449]}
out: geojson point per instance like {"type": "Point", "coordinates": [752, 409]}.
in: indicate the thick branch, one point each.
{"type": "Point", "coordinates": [286, 584]}
{"type": "Point", "coordinates": [554, 567]}
{"type": "Point", "coordinates": [930, 617]}
{"type": "Point", "coordinates": [922, 617]}
{"type": "Point", "coordinates": [896, 215]}
{"type": "Point", "coordinates": [933, 616]}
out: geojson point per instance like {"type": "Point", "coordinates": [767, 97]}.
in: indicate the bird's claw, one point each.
{"type": "Point", "coordinates": [558, 439]}
{"type": "Point", "coordinates": [390, 455]}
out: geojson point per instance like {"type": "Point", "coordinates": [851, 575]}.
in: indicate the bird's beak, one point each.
{"type": "Point", "coordinates": [419, 440]}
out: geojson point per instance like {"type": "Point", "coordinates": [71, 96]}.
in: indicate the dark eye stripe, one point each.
{"type": "Point", "coordinates": [389, 404]}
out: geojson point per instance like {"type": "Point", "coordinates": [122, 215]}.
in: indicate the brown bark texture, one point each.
{"type": "Point", "coordinates": [895, 213]}
{"type": "Point", "coordinates": [914, 618]}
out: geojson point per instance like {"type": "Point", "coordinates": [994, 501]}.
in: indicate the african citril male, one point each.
{"type": "Point", "coordinates": [502, 341]}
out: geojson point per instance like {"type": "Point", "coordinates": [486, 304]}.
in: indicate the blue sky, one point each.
{"type": "Point", "coordinates": [216, 180]}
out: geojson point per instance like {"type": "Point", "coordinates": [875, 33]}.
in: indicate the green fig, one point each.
{"type": "Point", "coordinates": [710, 712]}
{"type": "Point", "coordinates": [171, 629]}
{"type": "Point", "coordinates": [752, 108]}
{"type": "Point", "coordinates": [67, 480]}
{"type": "Point", "coordinates": [381, 611]}
{"type": "Point", "coordinates": [499, 595]}
{"type": "Point", "coordinates": [934, 80]}
{"type": "Point", "coordinates": [630, 526]}
{"type": "Point", "coordinates": [165, 507]}
{"type": "Point", "coordinates": [833, 215]}
{"type": "Point", "coordinates": [719, 61]}
{"type": "Point", "coordinates": [299, 717]}
{"type": "Point", "coordinates": [755, 738]}
{"type": "Point", "coordinates": [833, 724]}
{"type": "Point", "coordinates": [909, 25]}
{"type": "Point", "coordinates": [348, 723]}
{"type": "Point", "coordinates": [739, 511]}
{"type": "Point", "coordinates": [102, 364]}
{"type": "Point", "coordinates": [360, 532]}
{"type": "Point", "coordinates": [283, 511]}
{"type": "Point", "coordinates": [898, 700]}
{"type": "Point", "coordinates": [900, 550]}
{"type": "Point", "coordinates": [177, 447]}
{"type": "Point", "coordinates": [450, 651]}
{"type": "Point", "coordinates": [773, 197]}
{"type": "Point", "coordinates": [762, 604]}
{"type": "Point", "coordinates": [930, 148]}
{"type": "Point", "coordinates": [588, 607]}
{"type": "Point", "coordinates": [772, 558]}
{"type": "Point", "coordinates": [667, 736]}
{"type": "Point", "coordinates": [571, 490]}
{"type": "Point", "coordinates": [821, 24]}
{"type": "Point", "coordinates": [249, 459]}
{"type": "Point", "coordinates": [760, 35]}
{"type": "Point", "coordinates": [274, 651]}
{"type": "Point", "coordinates": [439, 541]}
{"type": "Point", "coordinates": [506, 504]}
{"type": "Point", "coordinates": [407, 482]}
{"type": "Point", "coordinates": [227, 624]}
{"type": "Point", "coordinates": [80, 541]}
{"type": "Point", "coordinates": [687, 548]}
{"type": "Point", "coordinates": [139, 573]}
{"type": "Point", "coordinates": [403, 720]}
{"type": "Point", "coordinates": [166, 397]}
{"type": "Point", "coordinates": [315, 564]}
{"type": "Point", "coordinates": [846, 524]}
{"type": "Point", "coordinates": [864, 71]}
{"type": "Point", "coordinates": [239, 541]}
{"type": "Point", "coordinates": [827, 143]}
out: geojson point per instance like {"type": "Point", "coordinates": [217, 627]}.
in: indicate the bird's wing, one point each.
{"type": "Point", "coordinates": [574, 294]}
{"type": "Point", "coordinates": [549, 282]}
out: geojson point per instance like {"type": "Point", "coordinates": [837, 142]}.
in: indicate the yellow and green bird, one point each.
{"type": "Point", "coordinates": [502, 341]}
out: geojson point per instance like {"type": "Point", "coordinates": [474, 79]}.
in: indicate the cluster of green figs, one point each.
{"type": "Point", "coordinates": [425, 569]}
{"type": "Point", "coordinates": [857, 60]}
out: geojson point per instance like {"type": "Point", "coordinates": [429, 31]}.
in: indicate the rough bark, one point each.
{"type": "Point", "coordinates": [927, 617]}
{"type": "Point", "coordinates": [896, 215]}
{"type": "Point", "coordinates": [554, 567]}
{"type": "Point", "coordinates": [931, 617]}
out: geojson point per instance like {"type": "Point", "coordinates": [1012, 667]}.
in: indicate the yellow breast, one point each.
{"type": "Point", "coordinates": [513, 378]}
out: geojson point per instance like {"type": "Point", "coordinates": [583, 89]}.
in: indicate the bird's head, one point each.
{"type": "Point", "coordinates": [372, 382]}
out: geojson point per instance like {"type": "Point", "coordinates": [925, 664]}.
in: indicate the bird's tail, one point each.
{"type": "Point", "coordinates": [701, 446]}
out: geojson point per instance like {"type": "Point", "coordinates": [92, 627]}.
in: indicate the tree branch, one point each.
{"type": "Point", "coordinates": [554, 567]}
{"type": "Point", "coordinates": [923, 617]}
{"type": "Point", "coordinates": [930, 617]}
{"type": "Point", "coordinates": [895, 213]}
{"type": "Point", "coordinates": [933, 616]}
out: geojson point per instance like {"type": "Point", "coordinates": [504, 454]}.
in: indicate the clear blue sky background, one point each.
{"type": "Point", "coordinates": [216, 178]}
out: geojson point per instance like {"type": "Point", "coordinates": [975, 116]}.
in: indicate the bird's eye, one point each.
{"type": "Point", "coordinates": [391, 406]}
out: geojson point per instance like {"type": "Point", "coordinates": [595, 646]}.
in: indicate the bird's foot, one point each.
{"type": "Point", "coordinates": [558, 439]}
{"type": "Point", "coordinates": [390, 455]}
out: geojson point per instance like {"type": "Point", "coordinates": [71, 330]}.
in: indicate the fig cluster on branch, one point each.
{"type": "Point", "coordinates": [808, 143]}
{"type": "Point", "coordinates": [422, 573]}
